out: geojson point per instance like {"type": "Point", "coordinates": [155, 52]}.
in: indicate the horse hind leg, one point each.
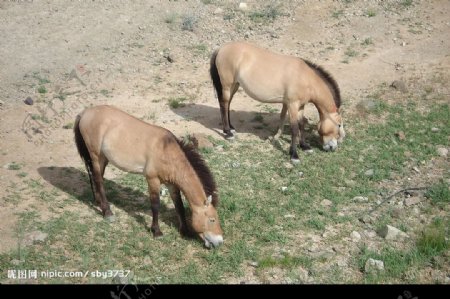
{"type": "Point", "coordinates": [153, 189]}
{"type": "Point", "coordinates": [98, 168]}
{"type": "Point", "coordinates": [224, 102]}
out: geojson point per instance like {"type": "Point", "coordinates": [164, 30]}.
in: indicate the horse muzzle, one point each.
{"type": "Point", "coordinates": [330, 146]}
{"type": "Point", "coordinates": [212, 240]}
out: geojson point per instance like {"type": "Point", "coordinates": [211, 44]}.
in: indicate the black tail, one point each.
{"type": "Point", "coordinates": [83, 150]}
{"type": "Point", "coordinates": [215, 75]}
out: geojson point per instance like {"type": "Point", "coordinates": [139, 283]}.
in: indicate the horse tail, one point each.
{"type": "Point", "coordinates": [83, 150]}
{"type": "Point", "coordinates": [215, 75]}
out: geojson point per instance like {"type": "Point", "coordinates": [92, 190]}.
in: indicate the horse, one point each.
{"type": "Point", "coordinates": [107, 134]}
{"type": "Point", "coordinates": [269, 77]}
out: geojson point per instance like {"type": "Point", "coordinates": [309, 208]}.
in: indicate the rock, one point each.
{"type": "Point", "coordinates": [302, 274]}
{"type": "Point", "coordinates": [411, 201]}
{"type": "Point", "coordinates": [283, 189]}
{"type": "Point", "coordinates": [28, 101]}
{"type": "Point", "coordinates": [373, 265]}
{"type": "Point", "coordinates": [254, 264]}
{"type": "Point", "coordinates": [235, 164]}
{"type": "Point", "coordinates": [356, 237]}
{"type": "Point", "coordinates": [243, 6]}
{"type": "Point", "coordinates": [326, 203]}
{"type": "Point", "coordinates": [400, 135]}
{"type": "Point", "coordinates": [16, 262]}
{"type": "Point", "coordinates": [201, 141]}
{"type": "Point", "coordinates": [289, 216]}
{"type": "Point", "coordinates": [416, 169]}
{"type": "Point", "coordinates": [300, 174]}
{"type": "Point", "coordinates": [218, 11]}
{"type": "Point", "coordinates": [169, 58]}
{"type": "Point", "coordinates": [369, 173]}
{"type": "Point", "coordinates": [399, 85]}
{"type": "Point", "coordinates": [434, 130]}
{"type": "Point", "coordinates": [442, 151]}
{"type": "Point", "coordinates": [34, 237]}
{"type": "Point", "coordinates": [391, 233]}
{"type": "Point", "coordinates": [360, 199]}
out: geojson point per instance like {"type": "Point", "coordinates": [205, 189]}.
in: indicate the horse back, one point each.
{"type": "Point", "coordinates": [127, 142]}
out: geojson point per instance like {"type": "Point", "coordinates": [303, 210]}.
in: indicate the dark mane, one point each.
{"type": "Point", "coordinates": [202, 170]}
{"type": "Point", "coordinates": [329, 80]}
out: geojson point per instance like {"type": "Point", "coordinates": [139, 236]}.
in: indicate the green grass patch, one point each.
{"type": "Point", "coordinates": [177, 102]}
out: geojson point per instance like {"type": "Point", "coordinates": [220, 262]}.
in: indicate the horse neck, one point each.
{"type": "Point", "coordinates": [325, 104]}
{"type": "Point", "coordinates": [187, 181]}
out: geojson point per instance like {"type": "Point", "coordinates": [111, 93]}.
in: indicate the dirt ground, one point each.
{"type": "Point", "coordinates": [137, 57]}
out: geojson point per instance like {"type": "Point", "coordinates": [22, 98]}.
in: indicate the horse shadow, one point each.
{"type": "Point", "coordinates": [261, 124]}
{"type": "Point", "coordinates": [76, 183]}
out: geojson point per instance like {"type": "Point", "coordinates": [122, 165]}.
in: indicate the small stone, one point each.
{"type": "Point", "coordinates": [289, 216]}
{"type": "Point", "coordinates": [434, 130]}
{"type": "Point", "coordinates": [201, 141]}
{"type": "Point", "coordinates": [16, 262]}
{"type": "Point", "coordinates": [326, 203]}
{"type": "Point", "coordinates": [288, 165]}
{"type": "Point", "coordinates": [35, 237]}
{"type": "Point", "coordinates": [391, 233]}
{"type": "Point", "coordinates": [300, 174]}
{"type": "Point", "coordinates": [373, 265]}
{"type": "Point", "coordinates": [356, 237]}
{"type": "Point", "coordinates": [218, 11]}
{"type": "Point", "coordinates": [400, 135]}
{"type": "Point", "coordinates": [169, 58]}
{"type": "Point", "coordinates": [28, 101]}
{"type": "Point", "coordinates": [235, 164]}
{"type": "Point", "coordinates": [254, 264]}
{"type": "Point", "coordinates": [416, 169]}
{"type": "Point", "coordinates": [243, 6]}
{"type": "Point", "coordinates": [411, 201]}
{"type": "Point", "coordinates": [442, 151]}
{"type": "Point", "coordinates": [360, 199]}
{"type": "Point", "coordinates": [403, 44]}
{"type": "Point", "coordinates": [284, 189]}
{"type": "Point", "coordinates": [399, 85]}
{"type": "Point", "coordinates": [369, 173]}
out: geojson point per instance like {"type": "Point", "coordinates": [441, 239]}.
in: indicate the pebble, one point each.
{"type": "Point", "coordinates": [356, 237]}
{"type": "Point", "coordinates": [369, 172]}
{"type": "Point", "coordinates": [373, 265]}
{"type": "Point", "coordinates": [389, 232]}
{"type": "Point", "coordinates": [411, 201]}
{"type": "Point", "coordinates": [442, 151]}
{"type": "Point", "coordinates": [243, 6]}
{"type": "Point", "coordinates": [284, 189]}
{"type": "Point", "coordinates": [289, 216]}
{"type": "Point", "coordinates": [360, 199]}
{"type": "Point", "coordinates": [28, 101]}
{"type": "Point", "coordinates": [326, 202]}
{"type": "Point", "coordinates": [434, 130]}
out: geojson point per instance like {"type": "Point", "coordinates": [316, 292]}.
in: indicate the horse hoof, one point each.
{"type": "Point", "coordinates": [110, 218]}
{"type": "Point", "coordinates": [295, 161]}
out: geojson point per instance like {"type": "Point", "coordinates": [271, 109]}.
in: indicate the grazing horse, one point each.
{"type": "Point", "coordinates": [274, 78]}
{"type": "Point", "coordinates": [106, 134]}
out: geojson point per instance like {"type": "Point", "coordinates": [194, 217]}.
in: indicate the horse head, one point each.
{"type": "Point", "coordinates": [331, 130]}
{"type": "Point", "coordinates": [205, 222]}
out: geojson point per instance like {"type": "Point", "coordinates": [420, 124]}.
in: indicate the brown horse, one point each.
{"type": "Point", "coordinates": [274, 78]}
{"type": "Point", "coordinates": [106, 134]}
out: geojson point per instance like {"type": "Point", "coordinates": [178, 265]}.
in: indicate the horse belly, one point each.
{"type": "Point", "coordinates": [263, 92]}
{"type": "Point", "coordinates": [125, 160]}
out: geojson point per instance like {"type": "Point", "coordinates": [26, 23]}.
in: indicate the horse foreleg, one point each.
{"type": "Point", "coordinates": [98, 168]}
{"type": "Point", "coordinates": [282, 120]}
{"type": "Point", "coordinates": [293, 118]}
{"type": "Point", "coordinates": [301, 124]}
{"type": "Point", "coordinates": [153, 189]}
{"type": "Point", "coordinates": [176, 198]}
